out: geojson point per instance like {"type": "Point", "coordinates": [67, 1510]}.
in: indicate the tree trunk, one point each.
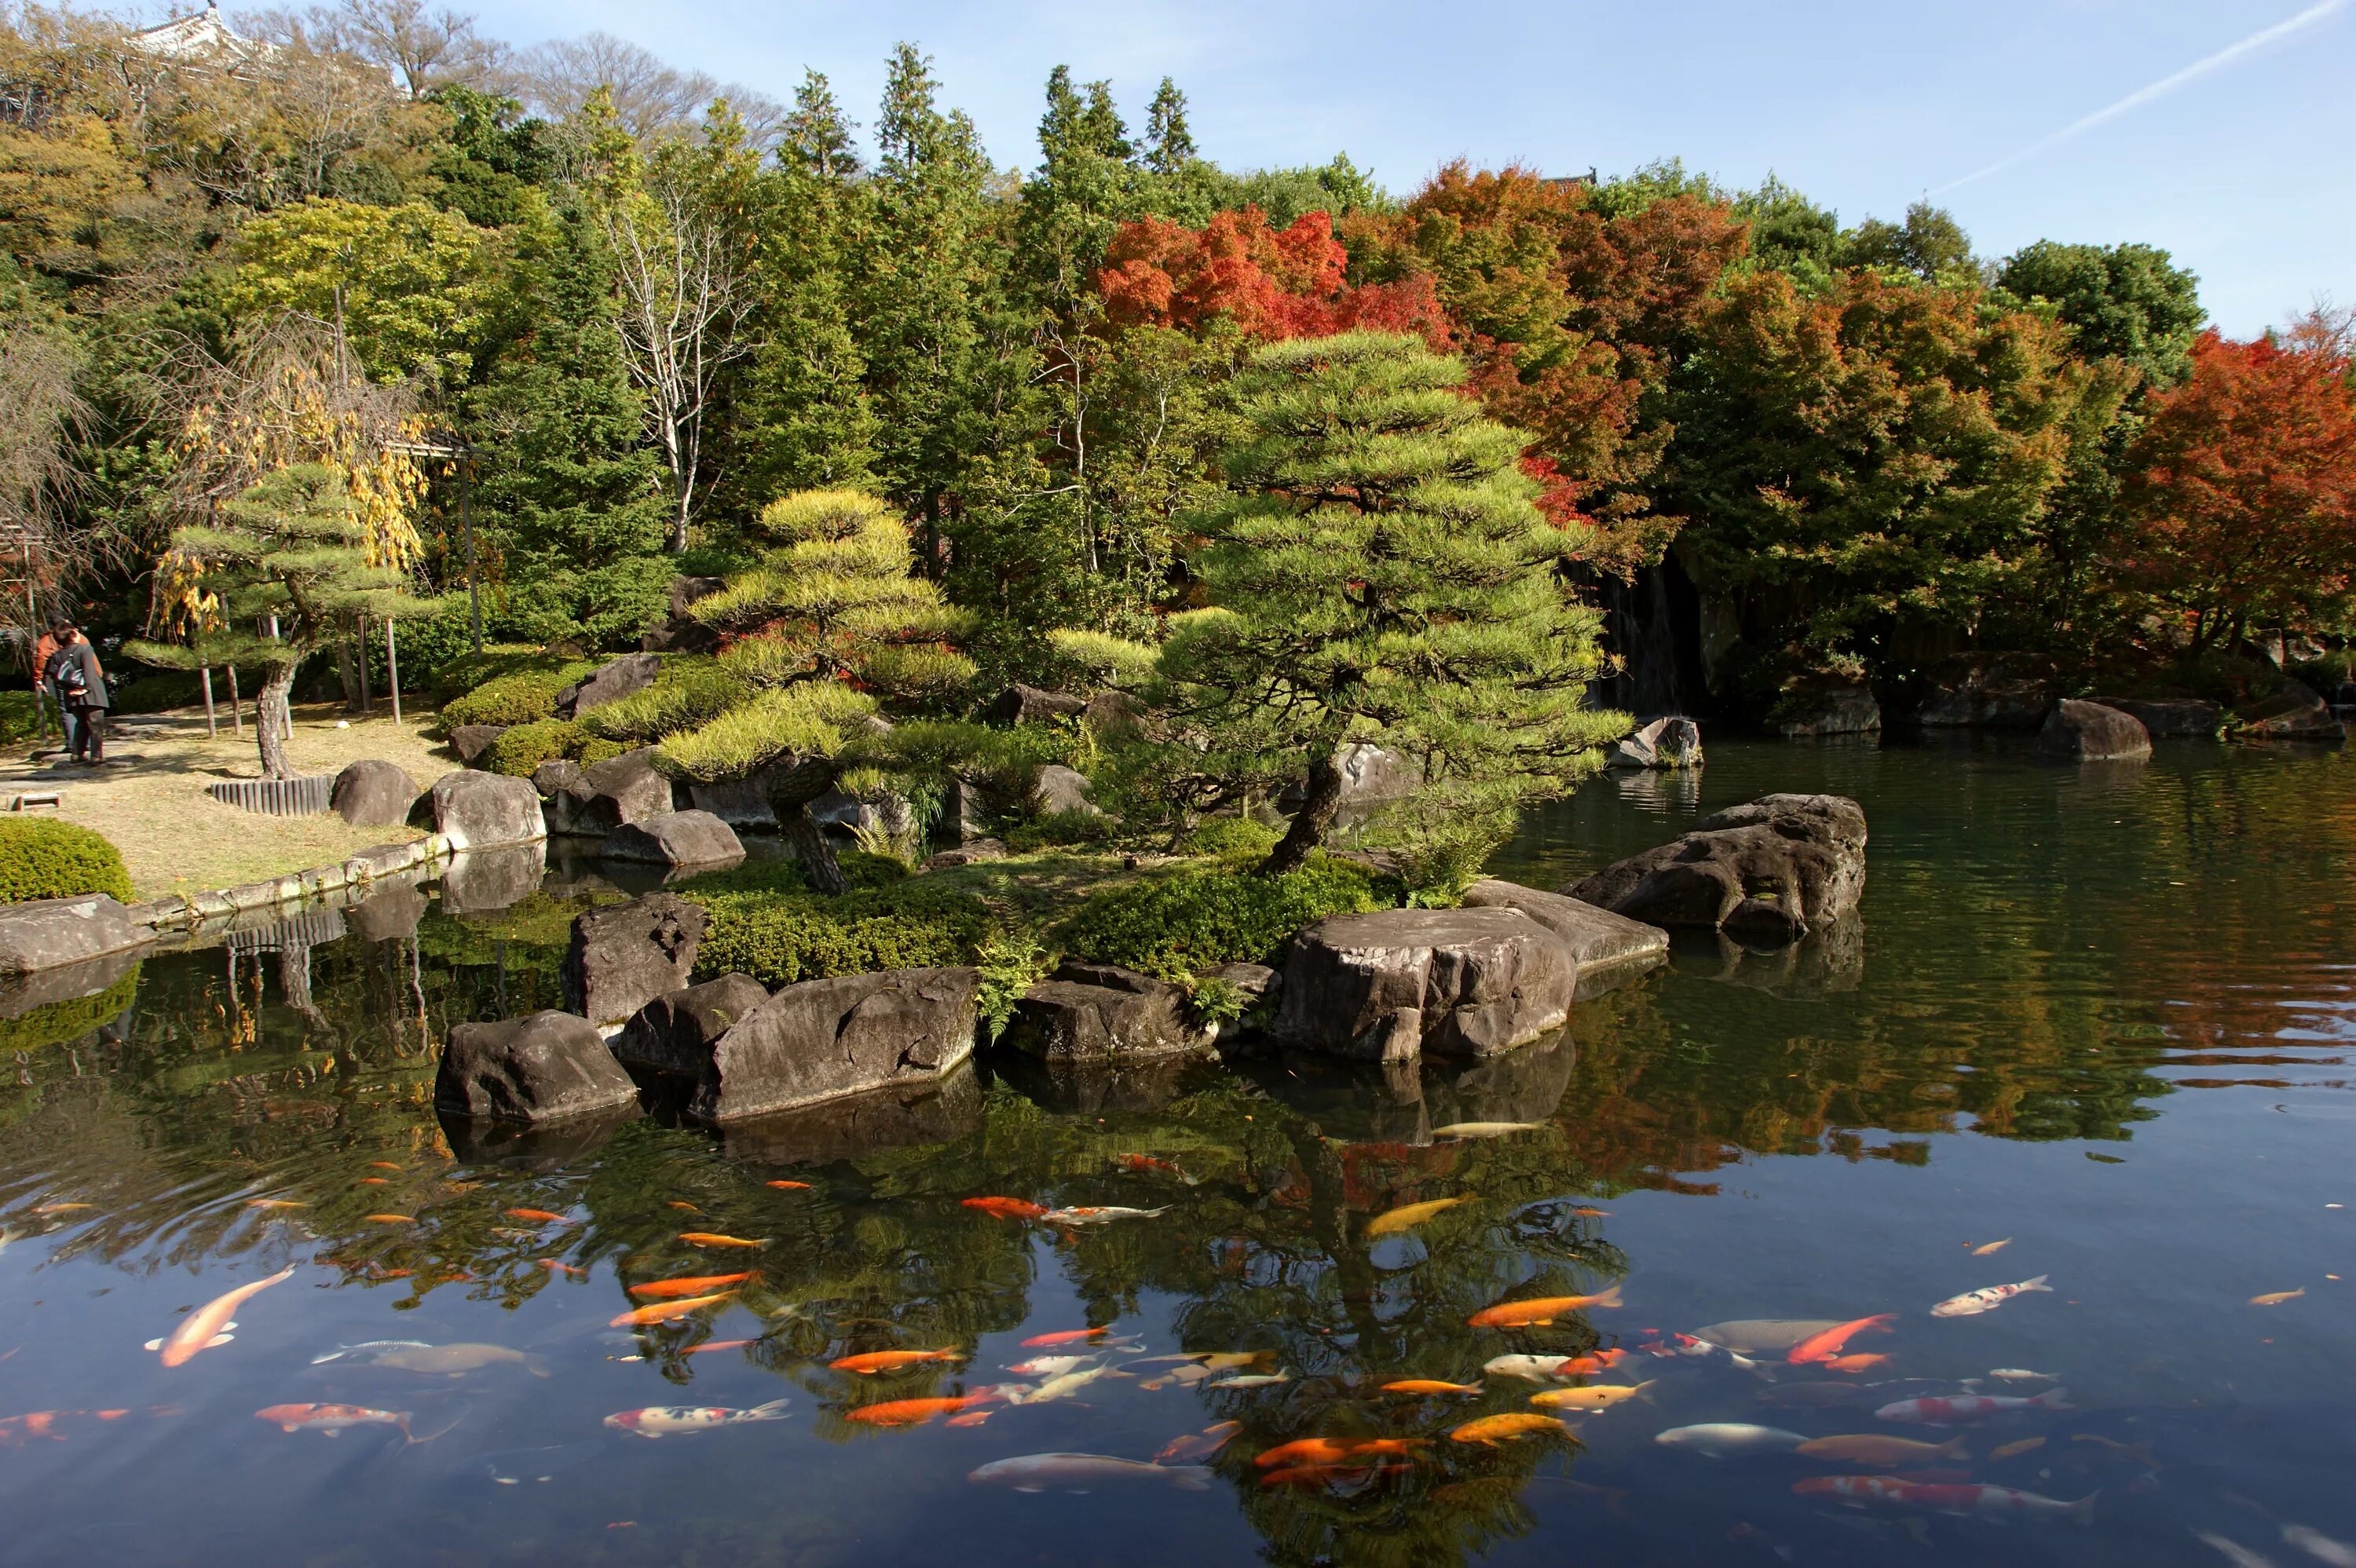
{"type": "Point", "coordinates": [790, 793]}
{"type": "Point", "coordinates": [1309, 824]}
{"type": "Point", "coordinates": [273, 721]}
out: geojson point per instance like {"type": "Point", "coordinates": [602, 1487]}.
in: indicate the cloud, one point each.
{"type": "Point", "coordinates": [2160, 89]}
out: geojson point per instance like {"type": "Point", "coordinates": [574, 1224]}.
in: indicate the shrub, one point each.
{"type": "Point", "coordinates": [517, 699]}
{"type": "Point", "coordinates": [778, 939]}
{"type": "Point", "coordinates": [1060, 829]}
{"type": "Point", "coordinates": [49, 860]}
{"type": "Point", "coordinates": [690, 691]}
{"type": "Point", "coordinates": [159, 691]}
{"type": "Point", "coordinates": [1232, 838]}
{"type": "Point", "coordinates": [1215, 915]}
{"type": "Point", "coordinates": [466, 671]}
{"type": "Point", "coordinates": [19, 718]}
{"type": "Point", "coordinates": [523, 747]}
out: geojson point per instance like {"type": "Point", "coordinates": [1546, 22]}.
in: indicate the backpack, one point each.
{"type": "Point", "coordinates": [66, 674]}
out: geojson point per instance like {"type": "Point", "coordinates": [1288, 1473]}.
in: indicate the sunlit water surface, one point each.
{"type": "Point", "coordinates": [2100, 1017]}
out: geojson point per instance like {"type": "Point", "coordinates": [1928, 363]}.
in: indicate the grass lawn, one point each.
{"type": "Point", "coordinates": [175, 839]}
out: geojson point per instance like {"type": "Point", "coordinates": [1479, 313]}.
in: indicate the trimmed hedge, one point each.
{"type": "Point", "coordinates": [48, 859]}
{"type": "Point", "coordinates": [780, 937]}
{"type": "Point", "coordinates": [1218, 914]}
{"type": "Point", "coordinates": [522, 698]}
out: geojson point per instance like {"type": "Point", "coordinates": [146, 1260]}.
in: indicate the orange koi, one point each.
{"type": "Point", "coordinates": [1065, 1337]}
{"type": "Point", "coordinates": [1430, 1385]}
{"type": "Point", "coordinates": [552, 1266]}
{"type": "Point", "coordinates": [275, 1204]}
{"type": "Point", "coordinates": [1303, 1451]}
{"type": "Point", "coordinates": [698, 1284]}
{"type": "Point", "coordinates": [1589, 1366]}
{"type": "Point", "coordinates": [1544, 1310]}
{"type": "Point", "coordinates": [389, 1219]}
{"type": "Point", "coordinates": [372, 1181]}
{"type": "Point", "coordinates": [1325, 1475]}
{"type": "Point", "coordinates": [382, 1165]}
{"type": "Point", "coordinates": [875, 1361]}
{"type": "Point", "coordinates": [1007, 1208]}
{"type": "Point", "coordinates": [1190, 1446]}
{"type": "Point", "coordinates": [682, 1203]}
{"type": "Point", "coordinates": [971, 1418]}
{"type": "Point", "coordinates": [1824, 1346]}
{"type": "Point", "coordinates": [1510, 1427]}
{"type": "Point", "coordinates": [1854, 1363]}
{"type": "Point", "coordinates": [792, 1186]}
{"type": "Point", "coordinates": [208, 1324]}
{"type": "Point", "coordinates": [711, 1239]}
{"type": "Point", "coordinates": [537, 1216]}
{"type": "Point", "coordinates": [663, 1312]}
{"type": "Point", "coordinates": [333, 1419]}
{"type": "Point", "coordinates": [916, 1412]}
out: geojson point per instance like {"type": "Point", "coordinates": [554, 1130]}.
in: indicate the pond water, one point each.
{"type": "Point", "coordinates": [2090, 1026]}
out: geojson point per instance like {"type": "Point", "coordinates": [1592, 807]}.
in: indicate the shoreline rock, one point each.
{"type": "Point", "coordinates": [544, 1067]}
{"type": "Point", "coordinates": [623, 957]}
{"type": "Point", "coordinates": [1766, 870]}
{"type": "Point", "coordinates": [1396, 984]}
{"type": "Point", "coordinates": [828, 1039]}
{"type": "Point", "coordinates": [2080, 732]}
{"type": "Point", "coordinates": [1101, 1013]}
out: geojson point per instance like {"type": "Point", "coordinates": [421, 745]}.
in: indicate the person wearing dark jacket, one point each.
{"type": "Point", "coordinates": [81, 686]}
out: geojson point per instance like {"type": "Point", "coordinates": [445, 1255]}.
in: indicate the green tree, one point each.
{"type": "Point", "coordinates": [492, 156]}
{"type": "Point", "coordinates": [1169, 144]}
{"type": "Point", "coordinates": [570, 496]}
{"type": "Point", "coordinates": [1930, 244]}
{"type": "Point", "coordinates": [283, 570]}
{"type": "Point", "coordinates": [401, 283]}
{"type": "Point", "coordinates": [2130, 303]}
{"type": "Point", "coordinates": [1379, 573]}
{"type": "Point", "coordinates": [832, 627]}
{"type": "Point", "coordinates": [1791, 233]}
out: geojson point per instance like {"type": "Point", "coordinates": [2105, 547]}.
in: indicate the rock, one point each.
{"type": "Point", "coordinates": [1386, 986]}
{"type": "Point", "coordinates": [546, 1067]}
{"type": "Point", "coordinates": [877, 811]}
{"type": "Point", "coordinates": [674, 839]}
{"type": "Point", "coordinates": [2171, 717]}
{"type": "Point", "coordinates": [480, 810]}
{"type": "Point", "coordinates": [605, 795]}
{"type": "Point", "coordinates": [625, 957]}
{"type": "Point", "coordinates": [1369, 772]}
{"type": "Point", "coordinates": [965, 855]}
{"type": "Point", "coordinates": [822, 1039]}
{"type": "Point", "coordinates": [1110, 714]}
{"type": "Point", "coordinates": [1977, 693]}
{"type": "Point", "coordinates": [23, 993]}
{"type": "Point", "coordinates": [1096, 1012]}
{"type": "Point", "coordinates": [743, 803]}
{"type": "Point", "coordinates": [1609, 949]}
{"type": "Point", "coordinates": [2294, 713]}
{"type": "Point", "coordinates": [1827, 707]}
{"type": "Point", "coordinates": [372, 793]}
{"type": "Point", "coordinates": [1018, 704]}
{"type": "Point", "coordinates": [480, 881]}
{"type": "Point", "coordinates": [1057, 789]}
{"type": "Point", "coordinates": [45, 934]}
{"type": "Point", "coordinates": [551, 778]}
{"type": "Point", "coordinates": [609, 682]}
{"type": "Point", "coordinates": [469, 741]}
{"type": "Point", "coordinates": [2079, 731]}
{"type": "Point", "coordinates": [548, 1149]}
{"type": "Point", "coordinates": [388, 914]}
{"type": "Point", "coordinates": [1663, 744]}
{"type": "Point", "coordinates": [676, 1031]}
{"type": "Point", "coordinates": [677, 633]}
{"type": "Point", "coordinates": [1766, 870]}
{"type": "Point", "coordinates": [964, 815]}
{"type": "Point", "coordinates": [1259, 986]}
{"type": "Point", "coordinates": [935, 1110]}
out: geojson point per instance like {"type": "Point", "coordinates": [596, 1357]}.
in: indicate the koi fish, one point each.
{"type": "Point", "coordinates": [1250, 1379]}
{"type": "Point", "coordinates": [1824, 1346]}
{"type": "Point", "coordinates": [2015, 1450]}
{"type": "Point", "coordinates": [1989, 1248]}
{"type": "Point", "coordinates": [1991, 1502]}
{"type": "Point", "coordinates": [791, 1186]}
{"type": "Point", "coordinates": [1098, 1214]}
{"type": "Point", "coordinates": [382, 1165]}
{"type": "Point", "coordinates": [1698, 1349]}
{"type": "Point", "coordinates": [332, 1420]}
{"type": "Point", "coordinates": [1543, 1310]}
{"type": "Point", "coordinates": [1410, 1216]}
{"type": "Point", "coordinates": [664, 1311]}
{"type": "Point", "coordinates": [1510, 1427]}
{"type": "Point", "coordinates": [1764, 1336]}
{"type": "Point", "coordinates": [1064, 1337]}
{"type": "Point", "coordinates": [718, 1345]}
{"type": "Point", "coordinates": [1719, 1438]}
{"type": "Point", "coordinates": [682, 1203]}
{"type": "Point", "coordinates": [1048, 1365]}
{"type": "Point", "coordinates": [1959, 1408]}
{"type": "Point", "coordinates": [372, 1181]}
{"type": "Point", "coordinates": [1305, 1451]}
{"type": "Point", "coordinates": [1874, 1448]}
{"type": "Point", "coordinates": [1147, 1165]}
{"type": "Point", "coordinates": [62, 1207]}
{"type": "Point", "coordinates": [1200, 1445]}
{"type": "Point", "coordinates": [916, 1412]}
{"type": "Point", "coordinates": [446, 1361]}
{"type": "Point", "coordinates": [1592, 1365]}
{"type": "Point", "coordinates": [875, 1361]}
{"type": "Point", "coordinates": [1062, 1387]}
{"type": "Point", "coordinates": [711, 1239]}
{"type": "Point", "coordinates": [970, 1418]}
{"type": "Point", "coordinates": [389, 1219]}
{"type": "Point", "coordinates": [1079, 1472]}
{"type": "Point", "coordinates": [696, 1285]}
{"type": "Point", "coordinates": [1854, 1363]}
{"type": "Point", "coordinates": [2023, 1375]}
{"type": "Point", "coordinates": [1430, 1386]}
{"type": "Point", "coordinates": [1534, 1369]}
{"type": "Point", "coordinates": [1007, 1208]}
{"type": "Point", "coordinates": [1972, 1303]}
{"type": "Point", "coordinates": [1484, 1130]}
{"type": "Point", "coordinates": [16, 1430]}
{"type": "Point", "coordinates": [2275, 1298]}
{"type": "Point", "coordinates": [209, 1325]}
{"type": "Point", "coordinates": [1587, 1400]}
{"type": "Point", "coordinates": [275, 1204]}
{"type": "Point", "coordinates": [537, 1216]}
{"type": "Point", "coordinates": [671, 1420]}
{"type": "Point", "coordinates": [552, 1266]}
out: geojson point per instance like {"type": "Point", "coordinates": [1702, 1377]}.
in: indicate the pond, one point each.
{"type": "Point", "coordinates": [2091, 1029]}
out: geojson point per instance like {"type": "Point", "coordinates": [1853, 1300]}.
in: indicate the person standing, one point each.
{"type": "Point", "coordinates": [81, 686]}
{"type": "Point", "coordinates": [44, 698]}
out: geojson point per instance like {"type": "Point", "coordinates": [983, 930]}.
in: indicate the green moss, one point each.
{"type": "Point", "coordinates": [46, 860]}
{"type": "Point", "coordinates": [778, 937]}
{"type": "Point", "coordinates": [521, 698]}
{"type": "Point", "coordinates": [55, 1022]}
{"type": "Point", "coordinates": [523, 747]}
{"type": "Point", "coordinates": [1218, 914]}
{"type": "Point", "coordinates": [497, 661]}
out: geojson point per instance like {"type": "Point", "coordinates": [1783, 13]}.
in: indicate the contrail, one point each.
{"type": "Point", "coordinates": [2160, 89]}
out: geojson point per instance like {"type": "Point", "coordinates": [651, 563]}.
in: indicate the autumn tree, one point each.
{"type": "Point", "coordinates": [1379, 573]}
{"type": "Point", "coordinates": [2242, 495]}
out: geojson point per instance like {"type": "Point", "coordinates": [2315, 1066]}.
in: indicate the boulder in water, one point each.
{"type": "Point", "coordinates": [1766, 870]}
{"type": "Point", "coordinates": [2080, 732]}
{"type": "Point", "coordinates": [1394, 984]}
{"type": "Point", "coordinates": [1664, 743]}
{"type": "Point", "coordinates": [545, 1067]}
{"type": "Point", "coordinates": [822, 1039]}
{"type": "Point", "coordinates": [624, 957]}
{"type": "Point", "coordinates": [480, 810]}
{"type": "Point", "coordinates": [1100, 1013]}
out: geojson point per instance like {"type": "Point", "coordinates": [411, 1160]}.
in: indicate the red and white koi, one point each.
{"type": "Point", "coordinates": [672, 1419]}
{"type": "Point", "coordinates": [1986, 1502]}
{"type": "Point", "coordinates": [1972, 1303]}
{"type": "Point", "coordinates": [332, 1420]}
{"type": "Point", "coordinates": [1953, 1410]}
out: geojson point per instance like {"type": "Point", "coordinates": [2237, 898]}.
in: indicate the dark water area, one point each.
{"type": "Point", "coordinates": [2101, 1017]}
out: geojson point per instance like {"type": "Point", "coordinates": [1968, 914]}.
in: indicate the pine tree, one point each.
{"type": "Point", "coordinates": [832, 627]}
{"type": "Point", "coordinates": [1379, 573]}
{"type": "Point", "coordinates": [284, 570]}
{"type": "Point", "coordinates": [570, 496]}
{"type": "Point", "coordinates": [1169, 144]}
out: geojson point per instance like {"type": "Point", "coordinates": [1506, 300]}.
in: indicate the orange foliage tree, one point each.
{"type": "Point", "coordinates": [2242, 495]}
{"type": "Point", "coordinates": [1272, 284]}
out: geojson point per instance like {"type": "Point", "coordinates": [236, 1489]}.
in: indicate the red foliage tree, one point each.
{"type": "Point", "coordinates": [1271, 282]}
{"type": "Point", "coordinates": [2242, 495]}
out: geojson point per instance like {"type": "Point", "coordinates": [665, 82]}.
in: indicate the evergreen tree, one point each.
{"type": "Point", "coordinates": [1379, 573]}
{"type": "Point", "coordinates": [284, 570]}
{"type": "Point", "coordinates": [1169, 144]}
{"type": "Point", "coordinates": [569, 498]}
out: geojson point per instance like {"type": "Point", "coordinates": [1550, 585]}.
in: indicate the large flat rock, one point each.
{"type": "Point", "coordinates": [1609, 948]}
{"type": "Point", "coordinates": [48, 934]}
{"type": "Point", "coordinates": [480, 810]}
{"type": "Point", "coordinates": [2080, 732]}
{"type": "Point", "coordinates": [1767, 870]}
{"type": "Point", "coordinates": [824, 1039]}
{"type": "Point", "coordinates": [1100, 1013]}
{"type": "Point", "coordinates": [1395, 984]}
{"type": "Point", "coordinates": [544, 1067]}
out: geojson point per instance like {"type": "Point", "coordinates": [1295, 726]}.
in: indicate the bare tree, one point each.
{"type": "Point", "coordinates": [419, 46]}
{"type": "Point", "coordinates": [651, 99]}
{"type": "Point", "coordinates": [42, 416]}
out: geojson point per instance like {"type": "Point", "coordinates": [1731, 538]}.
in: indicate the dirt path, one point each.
{"type": "Point", "coordinates": [177, 839]}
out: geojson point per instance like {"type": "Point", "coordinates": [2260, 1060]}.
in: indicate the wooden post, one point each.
{"type": "Point", "coordinates": [212, 726]}
{"type": "Point", "coordinates": [236, 712]}
{"type": "Point", "coordinates": [392, 669]}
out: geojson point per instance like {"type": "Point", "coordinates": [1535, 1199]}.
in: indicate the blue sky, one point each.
{"type": "Point", "coordinates": [2245, 172]}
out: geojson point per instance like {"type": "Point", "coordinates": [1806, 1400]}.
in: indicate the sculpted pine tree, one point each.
{"type": "Point", "coordinates": [1379, 573]}
{"type": "Point", "coordinates": [829, 628]}
{"type": "Point", "coordinates": [283, 570]}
